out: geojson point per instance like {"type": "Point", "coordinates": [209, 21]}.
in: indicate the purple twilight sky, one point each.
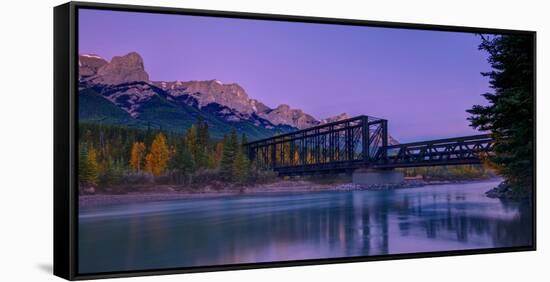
{"type": "Point", "coordinates": [421, 81]}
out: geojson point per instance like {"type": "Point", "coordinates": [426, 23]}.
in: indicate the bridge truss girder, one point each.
{"type": "Point", "coordinates": [359, 142]}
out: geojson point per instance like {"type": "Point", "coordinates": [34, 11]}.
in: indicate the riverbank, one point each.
{"type": "Point", "coordinates": [171, 192]}
{"type": "Point", "coordinates": [505, 191]}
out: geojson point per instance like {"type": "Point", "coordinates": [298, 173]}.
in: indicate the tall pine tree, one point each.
{"type": "Point", "coordinates": [509, 113]}
{"type": "Point", "coordinates": [228, 157]}
{"type": "Point", "coordinates": [201, 151]}
{"type": "Point", "coordinates": [182, 161]}
{"type": "Point", "coordinates": [83, 164]}
{"type": "Point", "coordinates": [241, 167]}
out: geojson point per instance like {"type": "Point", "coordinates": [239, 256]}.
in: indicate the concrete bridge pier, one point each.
{"type": "Point", "coordinates": [369, 176]}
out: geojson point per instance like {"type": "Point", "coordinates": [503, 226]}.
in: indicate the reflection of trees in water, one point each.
{"type": "Point", "coordinates": [355, 224]}
{"type": "Point", "coordinates": [465, 222]}
{"type": "Point", "coordinates": [309, 228]}
{"type": "Point", "coordinates": [520, 233]}
{"type": "Point", "coordinates": [302, 227]}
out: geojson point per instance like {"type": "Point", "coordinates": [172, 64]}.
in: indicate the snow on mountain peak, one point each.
{"type": "Point", "coordinates": [92, 56]}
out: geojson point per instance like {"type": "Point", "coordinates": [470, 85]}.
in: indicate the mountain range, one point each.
{"type": "Point", "coordinates": [120, 92]}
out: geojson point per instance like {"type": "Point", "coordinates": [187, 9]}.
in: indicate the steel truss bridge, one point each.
{"type": "Point", "coordinates": [359, 142]}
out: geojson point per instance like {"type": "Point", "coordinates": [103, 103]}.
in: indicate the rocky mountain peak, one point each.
{"type": "Point", "coordinates": [336, 118]}
{"type": "Point", "coordinates": [283, 107]}
{"type": "Point", "coordinates": [121, 69]}
{"type": "Point", "coordinates": [211, 91]}
{"type": "Point", "coordinates": [283, 114]}
{"type": "Point", "coordinates": [89, 64]}
{"type": "Point", "coordinates": [259, 107]}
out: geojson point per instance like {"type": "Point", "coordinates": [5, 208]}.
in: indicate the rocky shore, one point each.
{"type": "Point", "coordinates": [505, 191]}
{"type": "Point", "coordinates": [378, 187]}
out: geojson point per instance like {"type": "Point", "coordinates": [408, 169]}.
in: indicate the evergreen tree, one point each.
{"type": "Point", "coordinates": [241, 167]}
{"type": "Point", "coordinates": [112, 173]}
{"type": "Point", "coordinates": [228, 157]}
{"type": "Point", "coordinates": [200, 151]}
{"type": "Point", "coordinates": [83, 164]}
{"type": "Point", "coordinates": [193, 145]}
{"type": "Point", "coordinates": [244, 140]}
{"type": "Point", "coordinates": [182, 161]}
{"type": "Point", "coordinates": [509, 113]}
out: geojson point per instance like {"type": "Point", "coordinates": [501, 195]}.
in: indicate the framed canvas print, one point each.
{"type": "Point", "coordinates": [192, 140]}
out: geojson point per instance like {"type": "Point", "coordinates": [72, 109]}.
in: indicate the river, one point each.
{"type": "Point", "coordinates": [295, 226]}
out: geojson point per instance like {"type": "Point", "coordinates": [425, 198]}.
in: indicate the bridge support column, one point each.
{"type": "Point", "coordinates": [368, 176]}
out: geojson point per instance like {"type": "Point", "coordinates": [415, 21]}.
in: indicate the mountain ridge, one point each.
{"type": "Point", "coordinates": [125, 83]}
{"type": "Point", "coordinates": [130, 68]}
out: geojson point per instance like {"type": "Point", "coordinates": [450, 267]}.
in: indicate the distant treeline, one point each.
{"type": "Point", "coordinates": [112, 155]}
{"type": "Point", "coordinates": [454, 172]}
{"type": "Point", "coordinates": [442, 173]}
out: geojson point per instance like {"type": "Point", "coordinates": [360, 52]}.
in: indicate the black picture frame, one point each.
{"type": "Point", "coordinates": [65, 138]}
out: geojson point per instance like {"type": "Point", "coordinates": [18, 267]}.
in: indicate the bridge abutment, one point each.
{"type": "Point", "coordinates": [369, 176]}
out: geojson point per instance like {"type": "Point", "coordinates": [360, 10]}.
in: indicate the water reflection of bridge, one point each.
{"type": "Point", "coordinates": [359, 143]}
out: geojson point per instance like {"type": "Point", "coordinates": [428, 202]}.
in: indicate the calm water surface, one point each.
{"type": "Point", "coordinates": [294, 226]}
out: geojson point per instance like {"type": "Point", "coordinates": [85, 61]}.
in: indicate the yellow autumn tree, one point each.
{"type": "Point", "coordinates": [92, 166]}
{"type": "Point", "coordinates": [287, 160]}
{"type": "Point", "coordinates": [149, 162]}
{"type": "Point", "coordinates": [296, 158]}
{"type": "Point", "coordinates": [136, 155]}
{"type": "Point", "coordinates": [310, 158]}
{"type": "Point", "coordinates": [159, 154]}
{"type": "Point", "coordinates": [215, 156]}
